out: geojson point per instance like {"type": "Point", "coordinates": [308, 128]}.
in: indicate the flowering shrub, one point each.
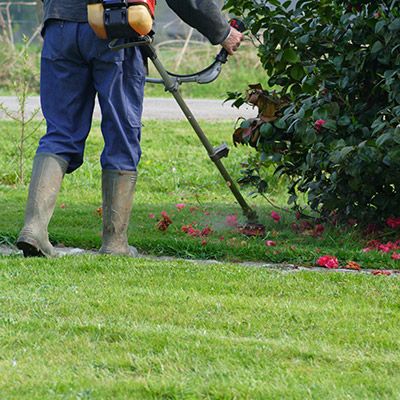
{"type": "Point", "coordinates": [333, 127]}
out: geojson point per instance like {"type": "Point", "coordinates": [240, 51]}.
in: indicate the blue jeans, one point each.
{"type": "Point", "coordinates": [75, 66]}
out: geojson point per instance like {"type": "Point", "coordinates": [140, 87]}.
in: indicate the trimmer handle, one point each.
{"type": "Point", "coordinates": [239, 25]}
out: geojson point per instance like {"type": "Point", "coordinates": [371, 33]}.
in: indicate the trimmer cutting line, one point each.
{"type": "Point", "coordinates": [116, 19]}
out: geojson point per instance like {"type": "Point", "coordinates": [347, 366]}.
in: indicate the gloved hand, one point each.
{"type": "Point", "coordinates": [232, 42]}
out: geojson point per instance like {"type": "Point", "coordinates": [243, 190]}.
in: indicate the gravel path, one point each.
{"type": "Point", "coordinates": [158, 108]}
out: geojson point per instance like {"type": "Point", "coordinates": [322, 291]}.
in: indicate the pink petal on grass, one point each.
{"type": "Point", "coordinates": [180, 206]}
{"type": "Point", "coordinates": [270, 243]}
{"type": "Point", "coordinates": [329, 262]}
{"type": "Point", "coordinates": [231, 220]}
{"type": "Point", "coordinates": [275, 216]}
{"type": "Point", "coordinates": [152, 216]}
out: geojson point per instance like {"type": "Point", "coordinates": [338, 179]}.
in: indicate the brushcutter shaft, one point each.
{"type": "Point", "coordinates": [173, 87]}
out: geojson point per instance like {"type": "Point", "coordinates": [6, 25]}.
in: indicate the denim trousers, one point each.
{"type": "Point", "coordinates": [75, 67]}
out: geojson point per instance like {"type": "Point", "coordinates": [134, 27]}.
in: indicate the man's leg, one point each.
{"type": "Point", "coordinates": [67, 97]}
{"type": "Point", "coordinates": [120, 85]}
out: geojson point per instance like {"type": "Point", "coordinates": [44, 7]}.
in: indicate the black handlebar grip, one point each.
{"type": "Point", "coordinates": [223, 55]}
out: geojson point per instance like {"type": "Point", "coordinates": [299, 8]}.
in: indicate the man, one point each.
{"type": "Point", "coordinates": [75, 66]}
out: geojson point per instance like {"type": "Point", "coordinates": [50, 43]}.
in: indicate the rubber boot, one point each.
{"type": "Point", "coordinates": [47, 174]}
{"type": "Point", "coordinates": [118, 189]}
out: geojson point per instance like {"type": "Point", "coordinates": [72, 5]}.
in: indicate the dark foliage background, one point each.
{"type": "Point", "coordinates": [333, 126]}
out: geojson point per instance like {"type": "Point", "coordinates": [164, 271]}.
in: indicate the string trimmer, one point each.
{"type": "Point", "coordinates": [115, 22]}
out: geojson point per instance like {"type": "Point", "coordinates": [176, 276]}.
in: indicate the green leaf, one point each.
{"type": "Point", "coordinates": [320, 113]}
{"type": "Point", "coordinates": [382, 139]}
{"type": "Point", "coordinates": [395, 25]}
{"type": "Point", "coordinates": [266, 129]}
{"type": "Point", "coordinates": [344, 121]}
{"type": "Point", "coordinates": [303, 39]}
{"type": "Point", "coordinates": [290, 56]}
{"type": "Point", "coordinates": [330, 124]}
{"type": "Point", "coordinates": [280, 124]}
{"type": "Point", "coordinates": [339, 155]}
{"type": "Point", "coordinates": [377, 47]}
{"type": "Point", "coordinates": [297, 72]}
{"type": "Point", "coordinates": [379, 26]}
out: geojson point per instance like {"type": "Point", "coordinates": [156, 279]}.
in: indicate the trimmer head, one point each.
{"type": "Point", "coordinates": [252, 229]}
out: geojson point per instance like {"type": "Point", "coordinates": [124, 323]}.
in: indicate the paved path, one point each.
{"type": "Point", "coordinates": [160, 108]}
{"type": "Point", "coordinates": [8, 250]}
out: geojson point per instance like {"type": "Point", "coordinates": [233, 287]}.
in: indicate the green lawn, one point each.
{"type": "Point", "coordinates": [175, 169]}
{"type": "Point", "coordinates": [114, 328]}
{"type": "Point", "coordinates": [241, 70]}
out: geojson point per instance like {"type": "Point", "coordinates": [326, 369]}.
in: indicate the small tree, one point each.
{"type": "Point", "coordinates": [333, 127]}
{"type": "Point", "coordinates": [28, 125]}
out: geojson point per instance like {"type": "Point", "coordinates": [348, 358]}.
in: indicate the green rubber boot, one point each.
{"type": "Point", "coordinates": [47, 174]}
{"type": "Point", "coordinates": [118, 189]}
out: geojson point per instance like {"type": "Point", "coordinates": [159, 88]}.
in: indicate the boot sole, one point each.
{"type": "Point", "coordinates": [30, 250]}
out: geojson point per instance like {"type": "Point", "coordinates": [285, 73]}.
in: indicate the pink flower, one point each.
{"type": "Point", "coordinates": [270, 243]}
{"type": "Point", "coordinates": [275, 216]}
{"type": "Point", "coordinates": [328, 262]}
{"type": "Point", "coordinates": [385, 248]}
{"type": "Point", "coordinates": [396, 256]}
{"type": "Point", "coordinates": [180, 206]}
{"type": "Point", "coordinates": [152, 216]}
{"type": "Point", "coordinates": [319, 124]}
{"type": "Point", "coordinates": [393, 223]}
{"type": "Point", "coordinates": [231, 220]}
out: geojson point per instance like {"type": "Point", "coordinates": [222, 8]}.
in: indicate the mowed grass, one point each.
{"type": "Point", "coordinates": [240, 71]}
{"type": "Point", "coordinates": [175, 169]}
{"type": "Point", "coordinates": [113, 328]}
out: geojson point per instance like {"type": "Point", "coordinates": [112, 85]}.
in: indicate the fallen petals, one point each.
{"type": "Point", "coordinates": [383, 247]}
{"type": "Point", "coordinates": [231, 220]}
{"type": "Point", "coordinates": [328, 262]}
{"type": "Point", "coordinates": [152, 216]}
{"type": "Point", "coordinates": [275, 216]}
{"type": "Point", "coordinates": [393, 223]}
{"type": "Point", "coordinates": [396, 256]}
{"type": "Point", "coordinates": [353, 265]}
{"type": "Point", "coordinates": [381, 272]}
{"type": "Point", "coordinates": [206, 231]}
{"type": "Point", "coordinates": [318, 230]}
{"type": "Point", "coordinates": [270, 243]}
{"type": "Point", "coordinates": [252, 230]}
{"type": "Point", "coordinates": [180, 206]}
{"type": "Point", "coordinates": [165, 222]}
